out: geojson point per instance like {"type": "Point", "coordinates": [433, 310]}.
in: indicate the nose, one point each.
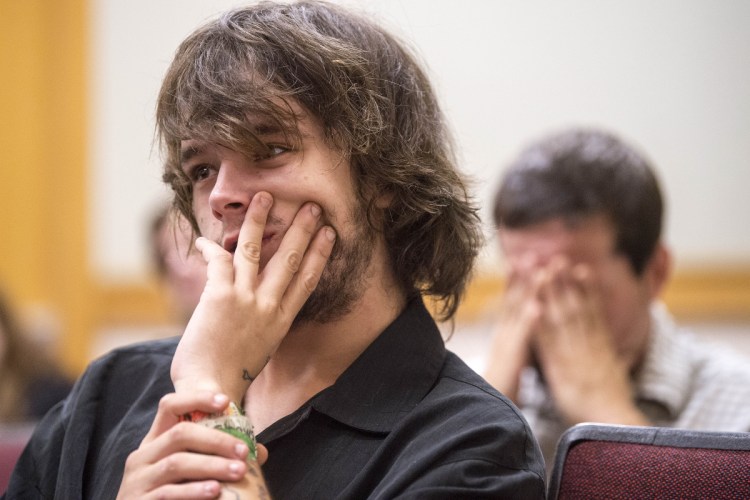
{"type": "Point", "coordinates": [526, 263]}
{"type": "Point", "coordinates": [229, 199]}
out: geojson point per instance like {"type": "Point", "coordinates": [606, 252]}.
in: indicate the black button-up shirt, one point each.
{"type": "Point", "coordinates": [406, 420]}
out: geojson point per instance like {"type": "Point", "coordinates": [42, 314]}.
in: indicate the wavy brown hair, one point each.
{"type": "Point", "coordinates": [375, 104]}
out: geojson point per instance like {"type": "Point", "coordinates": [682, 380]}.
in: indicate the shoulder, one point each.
{"type": "Point", "coordinates": [462, 403]}
{"type": "Point", "coordinates": [718, 395]}
{"type": "Point", "coordinates": [464, 438]}
{"type": "Point", "coordinates": [154, 353]}
{"type": "Point", "coordinates": [720, 366]}
{"type": "Point", "coordinates": [127, 371]}
{"type": "Point", "coordinates": [460, 386]}
{"type": "Point", "coordinates": [712, 359]}
{"type": "Point", "coordinates": [157, 348]}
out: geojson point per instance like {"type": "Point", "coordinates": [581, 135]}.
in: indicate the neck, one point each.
{"type": "Point", "coordinates": [313, 355]}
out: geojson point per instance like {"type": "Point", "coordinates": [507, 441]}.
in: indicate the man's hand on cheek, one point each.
{"type": "Point", "coordinates": [244, 314]}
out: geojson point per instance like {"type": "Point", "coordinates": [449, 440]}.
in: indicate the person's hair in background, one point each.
{"type": "Point", "coordinates": [580, 172]}
{"type": "Point", "coordinates": [179, 267]}
{"type": "Point", "coordinates": [373, 107]}
{"type": "Point", "coordinates": [30, 380]}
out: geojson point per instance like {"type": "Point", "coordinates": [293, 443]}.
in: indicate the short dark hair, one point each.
{"type": "Point", "coordinates": [375, 104]}
{"type": "Point", "coordinates": [582, 172]}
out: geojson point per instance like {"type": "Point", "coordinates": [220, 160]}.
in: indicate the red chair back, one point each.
{"type": "Point", "coordinates": [625, 462]}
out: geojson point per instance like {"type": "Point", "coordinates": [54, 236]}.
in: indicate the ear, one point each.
{"type": "Point", "coordinates": [384, 200]}
{"type": "Point", "coordinates": [658, 270]}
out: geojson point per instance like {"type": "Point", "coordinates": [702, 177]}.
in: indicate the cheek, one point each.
{"type": "Point", "coordinates": [624, 308]}
{"type": "Point", "coordinates": [209, 226]}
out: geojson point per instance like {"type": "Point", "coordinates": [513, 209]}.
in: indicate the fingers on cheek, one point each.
{"type": "Point", "coordinates": [309, 215]}
{"type": "Point", "coordinates": [293, 261]}
{"type": "Point", "coordinates": [260, 206]}
{"type": "Point", "coordinates": [251, 251]}
{"type": "Point", "coordinates": [327, 239]}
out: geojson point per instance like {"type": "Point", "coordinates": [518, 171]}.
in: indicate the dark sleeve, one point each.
{"type": "Point", "coordinates": [41, 465]}
{"type": "Point", "coordinates": [46, 392]}
{"type": "Point", "coordinates": [78, 450]}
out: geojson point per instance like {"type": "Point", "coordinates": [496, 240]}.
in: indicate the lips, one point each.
{"type": "Point", "coordinates": [230, 242]}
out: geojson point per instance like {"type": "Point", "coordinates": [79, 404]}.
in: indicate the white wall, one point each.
{"type": "Point", "coordinates": [671, 76]}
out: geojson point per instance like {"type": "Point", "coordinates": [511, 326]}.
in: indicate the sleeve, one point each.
{"type": "Point", "coordinates": [51, 465]}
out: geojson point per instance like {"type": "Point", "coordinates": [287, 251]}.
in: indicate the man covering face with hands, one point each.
{"type": "Point", "coordinates": [581, 335]}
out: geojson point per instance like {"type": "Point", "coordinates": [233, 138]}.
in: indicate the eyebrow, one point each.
{"type": "Point", "coordinates": [190, 152]}
{"type": "Point", "coordinates": [260, 130]}
{"type": "Point", "coordinates": [263, 129]}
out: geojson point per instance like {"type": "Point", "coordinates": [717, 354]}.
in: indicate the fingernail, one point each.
{"type": "Point", "coordinates": [330, 234]}
{"type": "Point", "coordinates": [241, 450]}
{"type": "Point", "coordinates": [220, 399]}
{"type": "Point", "coordinates": [315, 209]}
{"type": "Point", "coordinates": [234, 467]}
{"type": "Point", "coordinates": [264, 199]}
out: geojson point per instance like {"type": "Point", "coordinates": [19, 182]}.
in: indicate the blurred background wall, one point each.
{"type": "Point", "coordinates": [81, 174]}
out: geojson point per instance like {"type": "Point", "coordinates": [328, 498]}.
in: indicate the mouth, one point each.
{"type": "Point", "coordinates": [230, 243]}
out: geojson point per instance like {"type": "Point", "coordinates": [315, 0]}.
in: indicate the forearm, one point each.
{"type": "Point", "coordinates": [505, 381]}
{"type": "Point", "coordinates": [508, 357]}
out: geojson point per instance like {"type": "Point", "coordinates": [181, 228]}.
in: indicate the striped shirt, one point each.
{"type": "Point", "coordinates": [683, 382]}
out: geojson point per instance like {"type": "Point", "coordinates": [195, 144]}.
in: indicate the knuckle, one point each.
{"type": "Point", "coordinates": [293, 260]}
{"type": "Point", "coordinates": [309, 282]}
{"type": "Point", "coordinates": [168, 465]}
{"type": "Point", "coordinates": [165, 402]}
{"type": "Point", "coordinates": [271, 304]}
{"type": "Point", "coordinates": [251, 251]}
{"type": "Point", "coordinates": [178, 432]}
{"type": "Point", "coordinates": [131, 461]}
{"type": "Point", "coordinates": [223, 295]}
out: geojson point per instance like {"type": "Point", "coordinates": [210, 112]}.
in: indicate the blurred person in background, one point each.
{"type": "Point", "coordinates": [581, 335]}
{"type": "Point", "coordinates": [31, 381]}
{"type": "Point", "coordinates": [179, 267]}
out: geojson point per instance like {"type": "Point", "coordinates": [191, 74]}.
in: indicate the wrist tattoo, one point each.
{"type": "Point", "coordinates": [246, 374]}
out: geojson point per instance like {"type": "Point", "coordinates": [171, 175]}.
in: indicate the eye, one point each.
{"type": "Point", "coordinates": [273, 150]}
{"type": "Point", "coordinates": [199, 172]}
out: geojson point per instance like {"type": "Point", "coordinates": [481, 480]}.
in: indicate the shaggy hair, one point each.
{"type": "Point", "coordinates": [375, 104]}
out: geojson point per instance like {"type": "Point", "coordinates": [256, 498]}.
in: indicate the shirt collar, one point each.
{"type": "Point", "coordinates": [390, 377]}
{"type": "Point", "coordinates": [665, 375]}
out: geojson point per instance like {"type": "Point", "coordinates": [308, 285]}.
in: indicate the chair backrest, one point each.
{"type": "Point", "coordinates": [626, 462]}
{"type": "Point", "coordinates": [13, 439]}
